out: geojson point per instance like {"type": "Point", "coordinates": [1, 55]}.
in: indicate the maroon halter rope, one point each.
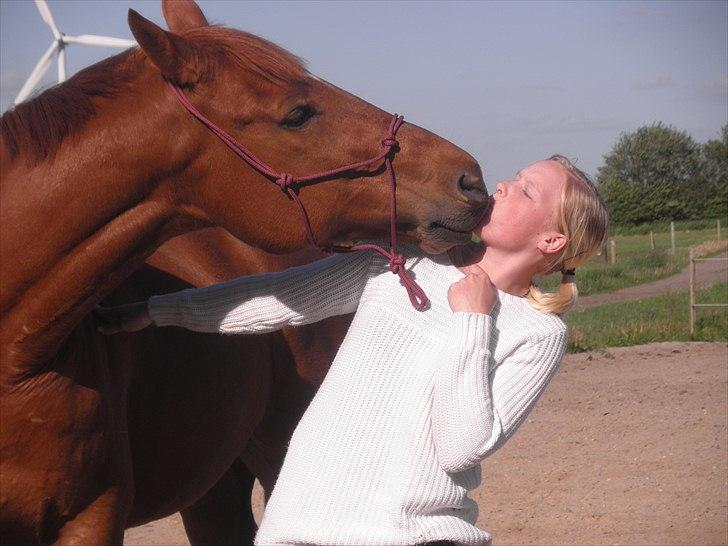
{"type": "Point", "coordinates": [288, 183]}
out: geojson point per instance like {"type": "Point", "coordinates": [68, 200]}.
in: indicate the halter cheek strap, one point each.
{"type": "Point", "coordinates": [290, 185]}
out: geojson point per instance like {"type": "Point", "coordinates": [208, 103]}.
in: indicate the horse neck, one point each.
{"type": "Point", "coordinates": [77, 224]}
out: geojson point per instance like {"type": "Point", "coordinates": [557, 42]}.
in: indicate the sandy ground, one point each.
{"type": "Point", "coordinates": [626, 447]}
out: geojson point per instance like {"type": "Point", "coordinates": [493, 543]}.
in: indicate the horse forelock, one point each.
{"type": "Point", "coordinates": [34, 129]}
{"type": "Point", "coordinates": [251, 53]}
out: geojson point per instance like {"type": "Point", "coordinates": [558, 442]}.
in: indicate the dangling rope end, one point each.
{"type": "Point", "coordinates": [418, 298]}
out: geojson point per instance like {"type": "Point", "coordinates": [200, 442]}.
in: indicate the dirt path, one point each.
{"type": "Point", "coordinates": [626, 447]}
{"type": "Point", "coordinates": [707, 273]}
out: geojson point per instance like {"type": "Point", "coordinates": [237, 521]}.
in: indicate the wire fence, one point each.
{"type": "Point", "coordinates": [695, 254]}
{"type": "Point", "coordinates": [667, 243]}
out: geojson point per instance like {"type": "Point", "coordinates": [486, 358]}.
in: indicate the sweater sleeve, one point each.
{"type": "Point", "coordinates": [268, 302]}
{"type": "Point", "coordinates": [477, 406]}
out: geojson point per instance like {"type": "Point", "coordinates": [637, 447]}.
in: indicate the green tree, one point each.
{"type": "Point", "coordinates": [714, 176]}
{"type": "Point", "coordinates": [648, 175]}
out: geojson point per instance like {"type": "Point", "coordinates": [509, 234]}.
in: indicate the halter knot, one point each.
{"type": "Point", "coordinates": [390, 142]}
{"type": "Point", "coordinates": [285, 181]}
{"type": "Point", "coordinates": [396, 264]}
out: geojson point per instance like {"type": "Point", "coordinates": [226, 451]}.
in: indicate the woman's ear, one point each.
{"type": "Point", "coordinates": [552, 242]}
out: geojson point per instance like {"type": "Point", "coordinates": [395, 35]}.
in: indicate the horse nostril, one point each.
{"type": "Point", "coordinates": [473, 187]}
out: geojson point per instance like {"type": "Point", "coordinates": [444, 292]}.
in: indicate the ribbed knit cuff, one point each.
{"type": "Point", "coordinates": [472, 330]}
{"type": "Point", "coordinates": [168, 309]}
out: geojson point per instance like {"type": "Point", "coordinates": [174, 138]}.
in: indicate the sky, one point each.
{"type": "Point", "coordinates": [510, 82]}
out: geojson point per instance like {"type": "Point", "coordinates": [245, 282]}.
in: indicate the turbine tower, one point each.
{"type": "Point", "coordinates": [58, 47]}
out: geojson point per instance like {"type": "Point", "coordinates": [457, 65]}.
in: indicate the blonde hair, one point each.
{"type": "Point", "coordinates": [584, 220]}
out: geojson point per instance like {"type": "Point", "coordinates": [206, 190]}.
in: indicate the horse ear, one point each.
{"type": "Point", "coordinates": [182, 15]}
{"type": "Point", "coordinates": [175, 57]}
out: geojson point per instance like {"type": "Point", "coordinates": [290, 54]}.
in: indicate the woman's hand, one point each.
{"type": "Point", "coordinates": [124, 318]}
{"type": "Point", "coordinates": [474, 293]}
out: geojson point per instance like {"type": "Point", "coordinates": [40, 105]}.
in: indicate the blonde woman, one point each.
{"type": "Point", "coordinates": [391, 444]}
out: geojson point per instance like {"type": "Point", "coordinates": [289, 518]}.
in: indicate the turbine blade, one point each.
{"type": "Point", "coordinates": [37, 73]}
{"type": "Point", "coordinates": [103, 41]}
{"type": "Point", "coordinates": [45, 13]}
{"type": "Point", "coordinates": [62, 65]}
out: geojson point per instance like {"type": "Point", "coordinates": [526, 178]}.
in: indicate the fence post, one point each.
{"type": "Point", "coordinates": [612, 251]}
{"type": "Point", "coordinates": [652, 240]}
{"type": "Point", "coordinates": [692, 293]}
{"type": "Point", "coordinates": [672, 237]}
{"type": "Point", "coordinates": [717, 227]}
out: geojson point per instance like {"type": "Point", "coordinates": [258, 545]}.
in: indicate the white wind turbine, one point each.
{"type": "Point", "coordinates": [58, 47]}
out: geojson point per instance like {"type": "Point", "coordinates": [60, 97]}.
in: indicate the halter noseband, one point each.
{"type": "Point", "coordinates": [290, 184]}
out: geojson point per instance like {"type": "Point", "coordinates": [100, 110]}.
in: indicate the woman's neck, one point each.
{"type": "Point", "coordinates": [509, 273]}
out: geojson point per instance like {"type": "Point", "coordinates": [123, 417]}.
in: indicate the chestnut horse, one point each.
{"type": "Point", "coordinates": [100, 172]}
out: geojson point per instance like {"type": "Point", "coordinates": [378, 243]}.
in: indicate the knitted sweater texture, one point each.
{"type": "Point", "coordinates": [391, 444]}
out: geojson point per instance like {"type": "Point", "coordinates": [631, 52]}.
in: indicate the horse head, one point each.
{"type": "Point", "coordinates": [265, 98]}
{"type": "Point", "coordinates": [101, 170]}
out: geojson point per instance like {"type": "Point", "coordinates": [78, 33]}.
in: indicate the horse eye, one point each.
{"type": "Point", "coordinates": [298, 117]}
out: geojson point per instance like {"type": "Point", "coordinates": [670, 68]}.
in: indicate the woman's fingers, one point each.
{"type": "Point", "coordinates": [473, 293]}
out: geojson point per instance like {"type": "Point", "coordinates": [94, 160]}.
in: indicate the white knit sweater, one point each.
{"type": "Point", "coordinates": [391, 444]}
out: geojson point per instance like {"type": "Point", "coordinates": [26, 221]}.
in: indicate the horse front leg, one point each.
{"type": "Point", "coordinates": [224, 514]}
{"type": "Point", "coordinates": [100, 523]}
{"type": "Point", "coordinates": [102, 519]}
{"type": "Point", "coordinates": [65, 459]}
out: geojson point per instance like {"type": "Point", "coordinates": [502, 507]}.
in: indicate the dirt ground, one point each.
{"type": "Point", "coordinates": [626, 447]}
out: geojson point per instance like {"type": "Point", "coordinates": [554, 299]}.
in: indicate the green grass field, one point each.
{"type": "Point", "coordinates": [663, 318]}
{"type": "Point", "coordinates": [664, 227]}
{"type": "Point", "coordinates": [636, 262]}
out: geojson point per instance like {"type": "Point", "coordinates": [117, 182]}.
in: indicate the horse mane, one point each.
{"type": "Point", "coordinates": [36, 128]}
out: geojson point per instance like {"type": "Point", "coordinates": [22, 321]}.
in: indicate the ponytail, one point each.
{"type": "Point", "coordinates": [584, 220]}
{"type": "Point", "coordinates": [559, 302]}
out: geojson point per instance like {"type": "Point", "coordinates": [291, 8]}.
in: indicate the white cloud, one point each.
{"type": "Point", "coordinates": [526, 88]}
{"type": "Point", "coordinates": [711, 88]}
{"type": "Point", "coordinates": [645, 12]}
{"type": "Point", "coordinates": [651, 84]}
{"type": "Point", "coordinates": [569, 124]}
